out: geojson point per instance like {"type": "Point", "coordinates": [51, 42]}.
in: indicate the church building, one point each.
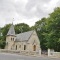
{"type": "Point", "coordinates": [27, 41]}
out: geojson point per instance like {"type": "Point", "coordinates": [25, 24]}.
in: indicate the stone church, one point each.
{"type": "Point", "coordinates": [27, 41]}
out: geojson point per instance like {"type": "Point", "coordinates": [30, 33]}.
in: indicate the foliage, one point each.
{"type": "Point", "coordinates": [22, 27]}
{"type": "Point", "coordinates": [2, 44]}
{"type": "Point", "coordinates": [53, 27]}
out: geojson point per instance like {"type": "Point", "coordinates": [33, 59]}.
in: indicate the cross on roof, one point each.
{"type": "Point", "coordinates": [12, 20]}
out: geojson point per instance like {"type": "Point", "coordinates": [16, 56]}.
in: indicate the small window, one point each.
{"type": "Point", "coordinates": [11, 39]}
{"type": "Point", "coordinates": [24, 47]}
{"type": "Point", "coordinates": [16, 47]}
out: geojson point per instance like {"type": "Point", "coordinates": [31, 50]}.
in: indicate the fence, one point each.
{"type": "Point", "coordinates": [51, 53]}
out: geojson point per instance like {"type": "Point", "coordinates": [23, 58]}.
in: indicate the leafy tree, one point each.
{"type": "Point", "coordinates": [53, 27]}
{"type": "Point", "coordinates": [2, 44]}
{"type": "Point", "coordinates": [22, 27]}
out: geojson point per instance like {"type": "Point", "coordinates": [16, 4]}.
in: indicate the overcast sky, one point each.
{"type": "Point", "coordinates": [25, 11]}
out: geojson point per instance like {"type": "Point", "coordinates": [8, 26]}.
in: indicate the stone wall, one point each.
{"type": "Point", "coordinates": [31, 53]}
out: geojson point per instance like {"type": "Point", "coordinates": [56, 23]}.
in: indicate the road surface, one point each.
{"type": "Point", "coordinates": [4, 56]}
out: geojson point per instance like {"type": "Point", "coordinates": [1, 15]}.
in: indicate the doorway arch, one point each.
{"type": "Point", "coordinates": [34, 47]}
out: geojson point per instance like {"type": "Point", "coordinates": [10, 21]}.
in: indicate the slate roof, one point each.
{"type": "Point", "coordinates": [11, 30]}
{"type": "Point", "coordinates": [19, 37]}
{"type": "Point", "coordinates": [24, 36]}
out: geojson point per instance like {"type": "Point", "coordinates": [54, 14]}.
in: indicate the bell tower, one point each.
{"type": "Point", "coordinates": [10, 38]}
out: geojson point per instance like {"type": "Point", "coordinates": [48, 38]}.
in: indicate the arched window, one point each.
{"type": "Point", "coordinates": [34, 48]}
{"type": "Point", "coordinates": [11, 39]}
{"type": "Point", "coordinates": [16, 47]}
{"type": "Point", "coordinates": [24, 47]}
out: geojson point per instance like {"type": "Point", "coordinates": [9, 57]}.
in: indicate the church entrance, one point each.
{"type": "Point", "coordinates": [34, 48]}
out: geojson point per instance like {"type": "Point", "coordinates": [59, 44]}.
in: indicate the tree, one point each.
{"type": "Point", "coordinates": [2, 44]}
{"type": "Point", "coordinates": [22, 27]}
{"type": "Point", "coordinates": [53, 27]}
{"type": "Point", "coordinates": [3, 33]}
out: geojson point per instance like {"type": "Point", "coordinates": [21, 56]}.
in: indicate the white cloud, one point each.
{"type": "Point", "coordinates": [51, 5]}
{"type": "Point", "coordinates": [27, 11]}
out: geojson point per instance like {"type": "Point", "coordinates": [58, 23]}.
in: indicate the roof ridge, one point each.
{"type": "Point", "coordinates": [25, 32]}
